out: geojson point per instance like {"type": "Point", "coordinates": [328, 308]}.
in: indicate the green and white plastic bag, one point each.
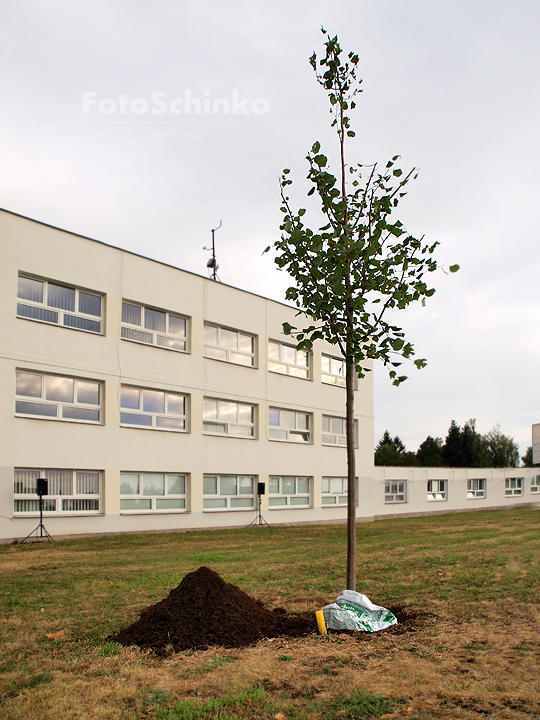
{"type": "Point", "coordinates": [354, 611]}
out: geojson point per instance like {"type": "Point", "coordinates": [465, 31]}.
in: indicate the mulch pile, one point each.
{"type": "Point", "coordinates": [205, 610]}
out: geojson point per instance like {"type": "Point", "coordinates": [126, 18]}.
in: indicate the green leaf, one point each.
{"type": "Point", "coordinates": [351, 133]}
{"type": "Point", "coordinates": [453, 268]}
{"type": "Point", "coordinates": [315, 147]}
{"type": "Point", "coordinates": [321, 160]}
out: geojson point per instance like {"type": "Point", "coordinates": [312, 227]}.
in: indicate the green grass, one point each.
{"type": "Point", "coordinates": [90, 588]}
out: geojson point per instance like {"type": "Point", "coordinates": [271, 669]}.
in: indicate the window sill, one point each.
{"type": "Point", "coordinates": [290, 442]}
{"type": "Point", "coordinates": [154, 512]}
{"type": "Point", "coordinates": [289, 507]}
{"type": "Point", "coordinates": [156, 429]}
{"type": "Point", "coordinates": [48, 516]}
{"type": "Point", "coordinates": [234, 437]}
{"type": "Point", "coordinates": [229, 510]}
{"type": "Point", "coordinates": [294, 377]}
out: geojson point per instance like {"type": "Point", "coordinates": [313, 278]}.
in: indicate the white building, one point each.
{"type": "Point", "coordinates": [155, 399]}
{"type": "Point", "coordinates": [152, 398]}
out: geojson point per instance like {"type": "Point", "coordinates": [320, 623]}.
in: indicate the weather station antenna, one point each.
{"type": "Point", "coordinates": [212, 263]}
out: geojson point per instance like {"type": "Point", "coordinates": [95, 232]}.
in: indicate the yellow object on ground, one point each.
{"type": "Point", "coordinates": [319, 615]}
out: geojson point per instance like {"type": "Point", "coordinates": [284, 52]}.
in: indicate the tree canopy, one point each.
{"type": "Point", "coordinates": [463, 447]}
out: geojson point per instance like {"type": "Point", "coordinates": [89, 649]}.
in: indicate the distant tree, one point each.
{"type": "Point", "coordinates": [504, 450]}
{"type": "Point", "coordinates": [452, 450]}
{"type": "Point", "coordinates": [474, 446]}
{"type": "Point", "coordinates": [429, 454]}
{"type": "Point", "coordinates": [527, 459]}
{"type": "Point", "coordinates": [395, 442]}
{"type": "Point", "coordinates": [388, 455]}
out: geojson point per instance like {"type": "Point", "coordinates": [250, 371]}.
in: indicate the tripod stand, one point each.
{"type": "Point", "coordinates": [259, 520]}
{"type": "Point", "coordinates": [41, 531]}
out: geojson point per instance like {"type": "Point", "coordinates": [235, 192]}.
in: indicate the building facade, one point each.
{"type": "Point", "coordinates": [154, 399]}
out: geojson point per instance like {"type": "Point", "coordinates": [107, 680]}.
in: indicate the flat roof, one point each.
{"type": "Point", "coordinates": [145, 257]}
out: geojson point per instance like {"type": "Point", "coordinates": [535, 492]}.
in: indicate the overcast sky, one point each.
{"type": "Point", "coordinates": [96, 138]}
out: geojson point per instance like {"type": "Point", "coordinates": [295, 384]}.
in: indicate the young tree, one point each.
{"type": "Point", "coordinates": [359, 265]}
{"type": "Point", "coordinates": [452, 450]}
{"type": "Point", "coordinates": [503, 449]}
{"type": "Point", "coordinates": [527, 459]}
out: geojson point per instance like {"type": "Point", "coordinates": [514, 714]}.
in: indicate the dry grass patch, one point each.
{"type": "Point", "coordinates": [466, 588]}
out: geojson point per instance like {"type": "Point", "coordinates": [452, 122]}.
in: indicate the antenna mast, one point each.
{"type": "Point", "coordinates": [212, 262]}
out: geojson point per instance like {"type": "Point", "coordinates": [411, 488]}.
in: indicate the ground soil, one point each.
{"type": "Point", "coordinates": [204, 610]}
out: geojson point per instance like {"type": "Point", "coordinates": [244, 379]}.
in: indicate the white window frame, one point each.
{"type": "Point", "coordinates": [535, 484]}
{"type": "Point", "coordinates": [298, 434]}
{"type": "Point", "coordinates": [237, 427]}
{"type": "Point", "coordinates": [513, 487]}
{"type": "Point", "coordinates": [437, 490]}
{"type": "Point", "coordinates": [476, 488]}
{"type": "Point", "coordinates": [57, 501]}
{"type": "Point", "coordinates": [143, 502]}
{"type": "Point", "coordinates": [139, 333]}
{"type": "Point", "coordinates": [395, 492]}
{"type": "Point", "coordinates": [59, 406]}
{"type": "Point", "coordinates": [332, 437]}
{"type": "Point", "coordinates": [218, 350]}
{"type": "Point", "coordinates": [44, 312]}
{"type": "Point", "coordinates": [279, 363]}
{"type": "Point", "coordinates": [222, 500]}
{"type": "Point", "coordinates": [334, 491]}
{"type": "Point", "coordinates": [157, 419]}
{"type": "Point", "coordinates": [332, 374]}
{"type": "Point", "coordinates": [284, 492]}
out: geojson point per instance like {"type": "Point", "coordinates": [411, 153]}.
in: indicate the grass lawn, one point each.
{"type": "Point", "coordinates": [474, 653]}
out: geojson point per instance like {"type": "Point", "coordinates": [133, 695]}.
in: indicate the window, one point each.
{"type": "Point", "coordinates": [436, 490]}
{"type": "Point", "coordinates": [332, 370]}
{"type": "Point", "coordinates": [287, 360]}
{"type": "Point", "coordinates": [223, 417]}
{"type": "Point", "coordinates": [228, 492]}
{"type": "Point", "coordinates": [288, 491]}
{"type": "Point", "coordinates": [513, 486]}
{"type": "Point", "coordinates": [153, 492]}
{"type": "Point", "coordinates": [69, 491]}
{"type": "Point", "coordinates": [334, 490]}
{"type": "Point", "coordinates": [535, 484]}
{"type": "Point", "coordinates": [395, 491]}
{"type": "Point", "coordinates": [54, 397]}
{"type": "Point", "coordinates": [153, 327]}
{"type": "Point", "coordinates": [155, 409]}
{"type": "Point", "coordinates": [73, 308]}
{"type": "Point", "coordinates": [289, 425]}
{"type": "Point", "coordinates": [229, 345]}
{"type": "Point", "coordinates": [334, 431]}
{"type": "Point", "coordinates": [476, 488]}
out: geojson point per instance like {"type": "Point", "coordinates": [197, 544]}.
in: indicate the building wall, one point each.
{"type": "Point", "coordinates": [536, 443]}
{"type": "Point", "coordinates": [28, 345]}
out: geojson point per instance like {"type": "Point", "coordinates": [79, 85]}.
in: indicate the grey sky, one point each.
{"type": "Point", "coordinates": [451, 86]}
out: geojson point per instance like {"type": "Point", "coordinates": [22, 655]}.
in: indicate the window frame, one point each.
{"type": "Point", "coordinates": [516, 490]}
{"type": "Point", "coordinates": [287, 496]}
{"type": "Point", "coordinates": [154, 416]}
{"type": "Point", "coordinates": [58, 404]}
{"type": "Point", "coordinates": [228, 351]}
{"type": "Point", "coordinates": [442, 489]}
{"type": "Point", "coordinates": [58, 498]}
{"type": "Point", "coordinates": [289, 367]}
{"type": "Point", "coordinates": [339, 497]}
{"type": "Point", "coordinates": [296, 431]}
{"type": "Point", "coordinates": [61, 313]}
{"type": "Point", "coordinates": [156, 497]}
{"type": "Point", "coordinates": [228, 505]}
{"type": "Point", "coordinates": [478, 492]}
{"type": "Point", "coordinates": [535, 484]}
{"type": "Point", "coordinates": [395, 495]}
{"type": "Point", "coordinates": [330, 378]}
{"type": "Point", "coordinates": [155, 334]}
{"type": "Point", "coordinates": [230, 423]}
{"type": "Point", "coordinates": [340, 438]}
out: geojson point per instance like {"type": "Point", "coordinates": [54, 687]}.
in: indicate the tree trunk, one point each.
{"type": "Point", "coordinates": [351, 477]}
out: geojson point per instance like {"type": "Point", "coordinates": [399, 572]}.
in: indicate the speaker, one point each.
{"type": "Point", "coordinates": [42, 486]}
{"type": "Point", "coordinates": [260, 489]}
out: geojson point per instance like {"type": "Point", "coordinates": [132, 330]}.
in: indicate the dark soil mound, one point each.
{"type": "Point", "coordinates": [205, 610]}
